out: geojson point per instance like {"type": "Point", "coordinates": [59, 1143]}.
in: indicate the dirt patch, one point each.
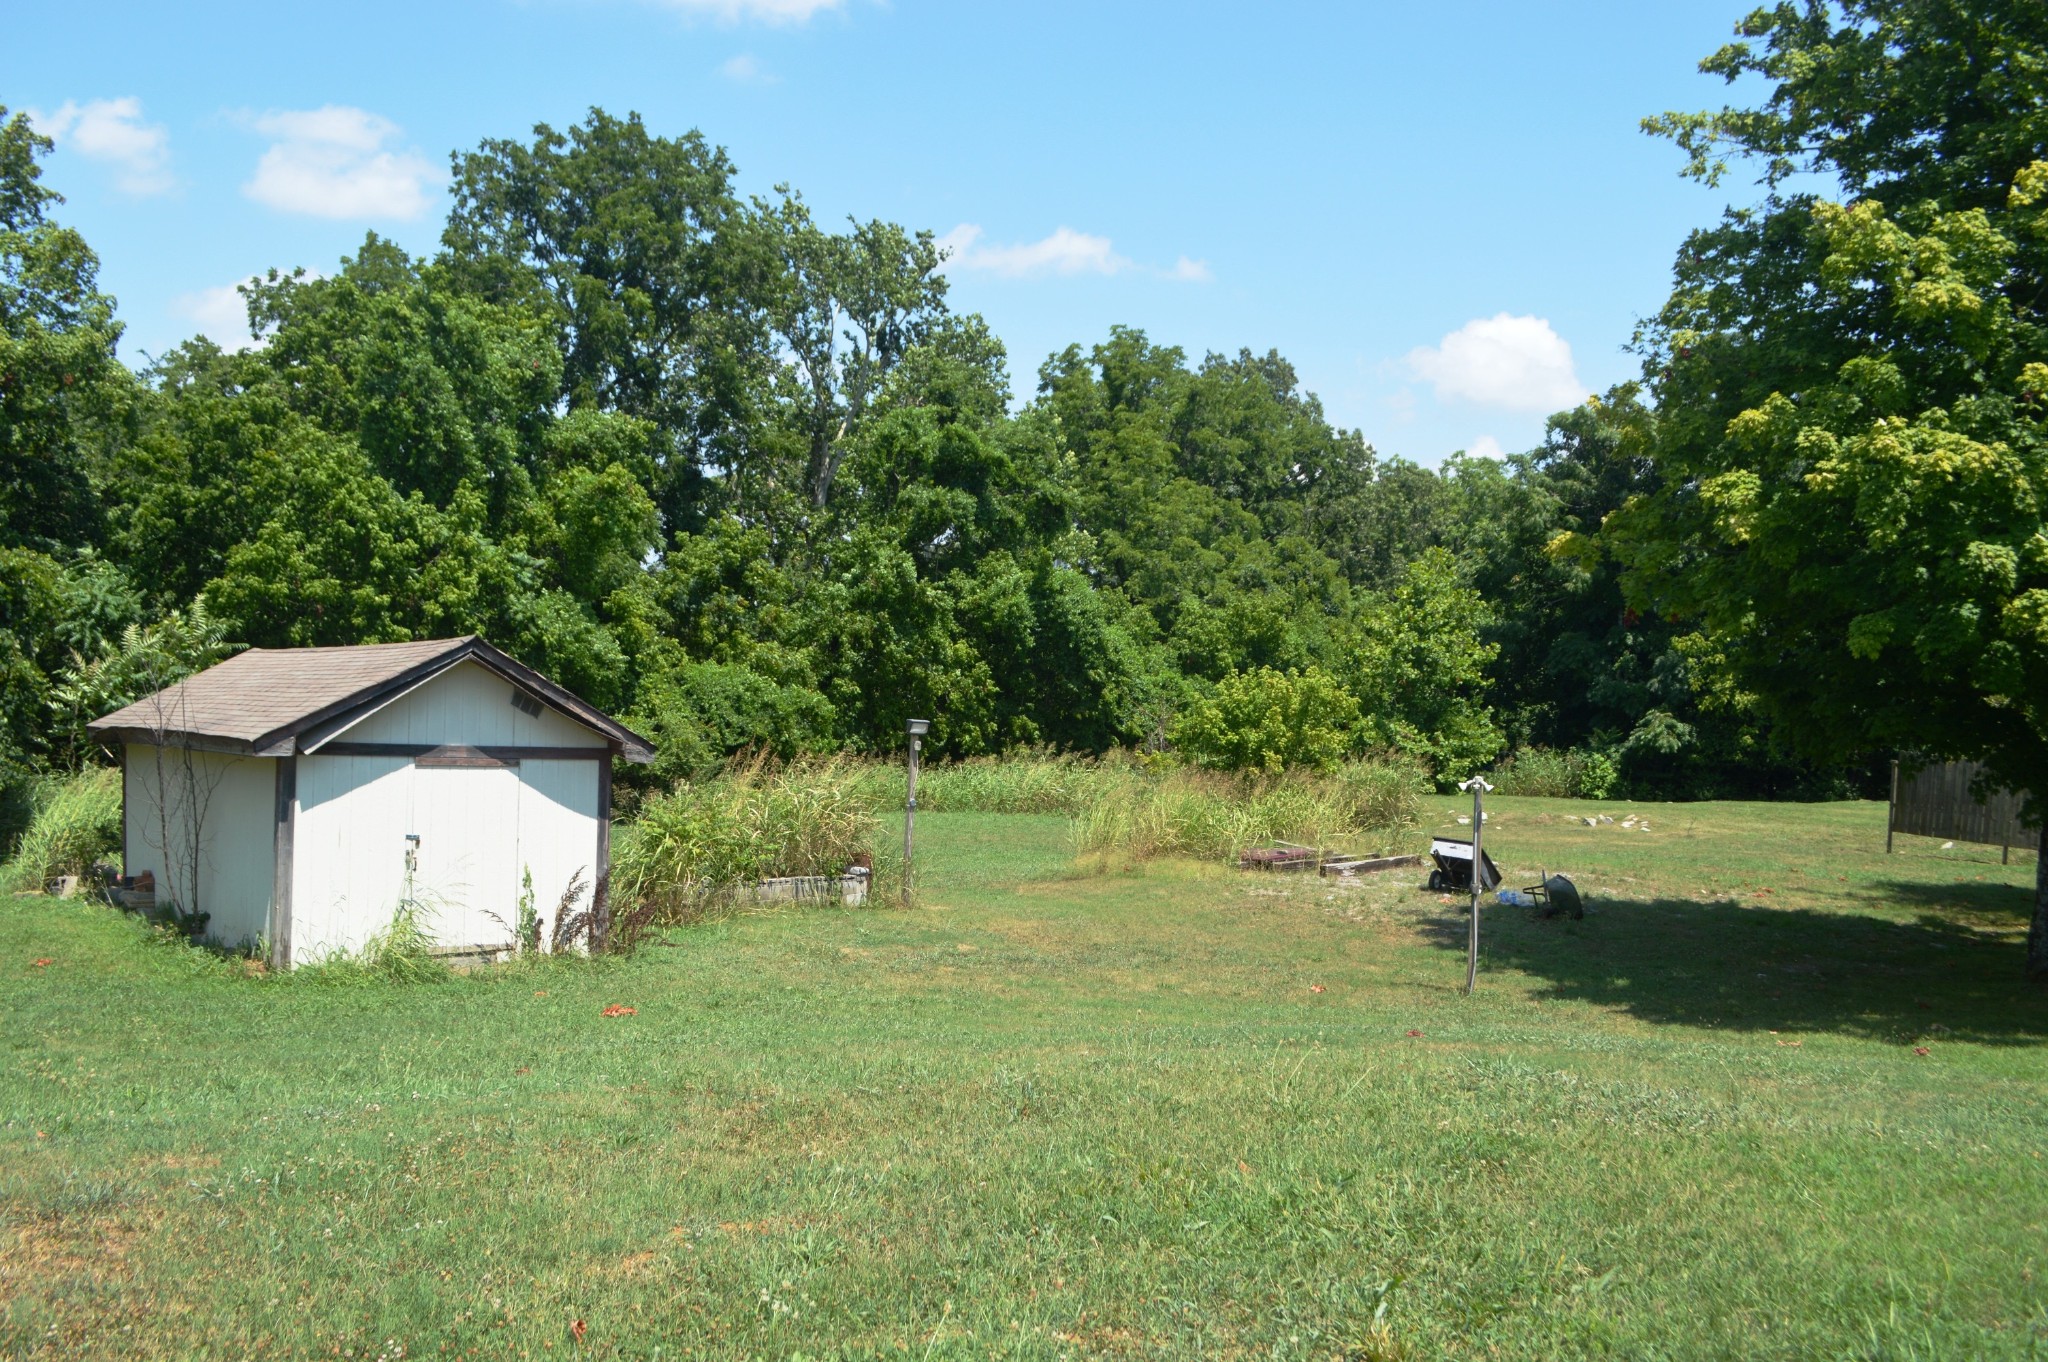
{"type": "Point", "coordinates": [45, 1256]}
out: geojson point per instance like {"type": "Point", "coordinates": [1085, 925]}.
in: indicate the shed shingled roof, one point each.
{"type": "Point", "coordinates": [261, 700]}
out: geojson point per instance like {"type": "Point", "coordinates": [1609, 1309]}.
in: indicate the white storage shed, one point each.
{"type": "Point", "coordinates": [299, 796]}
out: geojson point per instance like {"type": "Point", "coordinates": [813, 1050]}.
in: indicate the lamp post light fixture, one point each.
{"type": "Point", "coordinates": [1478, 786]}
{"type": "Point", "coordinates": [916, 728]}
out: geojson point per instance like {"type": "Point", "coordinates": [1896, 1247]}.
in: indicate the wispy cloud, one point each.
{"type": "Point", "coordinates": [220, 313]}
{"type": "Point", "coordinates": [1485, 447]}
{"type": "Point", "coordinates": [745, 69]}
{"type": "Point", "coordinates": [1518, 363]}
{"type": "Point", "coordinates": [1064, 252]}
{"type": "Point", "coordinates": [112, 130]}
{"type": "Point", "coordinates": [339, 162]}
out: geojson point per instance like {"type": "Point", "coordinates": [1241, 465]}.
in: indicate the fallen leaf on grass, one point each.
{"type": "Point", "coordinates": [578, 1329]}
{"type": "Point", "coordinates": [45, 962]}
{"type": "Point", "coordinates": [1315, 988]}
{"type": "Point", "coordinates": [621, 1010]}
{"type": "Point", "coordinates": [1414, 1033]}
{"type": "Point", "coordinates": [523, 1069]}
{"type": "Point", "coordinates": [1919, 1049]}
{"type": "Point", "coordinates": [1795, 1044]}
{"type": "Point", "coordinates": [1244, 1168]}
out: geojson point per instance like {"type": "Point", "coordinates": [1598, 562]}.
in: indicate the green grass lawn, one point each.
{"type": "Point", "coordinates": [1176, 1111]}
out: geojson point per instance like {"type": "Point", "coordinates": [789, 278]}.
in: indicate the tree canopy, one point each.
{"type": "Point", "coordinates": [1848, 467]}
{"type": "Point", "coordinates": [746, 477]}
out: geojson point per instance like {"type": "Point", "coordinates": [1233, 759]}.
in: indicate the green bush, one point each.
{"type": "Point", "coordinates": [77, 821]}
{"type": "Point", "coordinates": [703, 712]}
{"type": "Point", "coordinates": [700, 841]}
{"type": "Point", "coordinates": [1573, 774]}
{"type": "Point", "coordinates": [1271, 721]}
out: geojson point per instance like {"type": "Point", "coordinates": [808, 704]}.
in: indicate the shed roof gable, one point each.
{"type": "Point", "coordinates": [265, 700]}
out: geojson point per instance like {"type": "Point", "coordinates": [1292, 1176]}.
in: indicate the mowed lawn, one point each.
{"type": "Point", "coordinates": [1778, 1096]}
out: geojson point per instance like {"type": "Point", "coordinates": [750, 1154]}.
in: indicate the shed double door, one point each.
{"type": "Point", "coordinates": [467, 820]}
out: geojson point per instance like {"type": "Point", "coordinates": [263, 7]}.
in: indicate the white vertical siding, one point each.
{"type": "Point", "coordinates": [468, 881]}
{"type": "Point", "coordinates": [479, 831]}
{"type": "Point", "coordinates": [470, 706]}
{"type": "Point", "coordinates": [558, 830]}
{"type": "Point", "coordinates": [233, 800]}
{"type": "Point", "coordinates": [348, 851]}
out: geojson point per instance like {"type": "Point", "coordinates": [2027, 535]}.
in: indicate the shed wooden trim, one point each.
{"type": "Point", "coordinates": [283, 836]}
{"type": "Point", "coordinates": [451, 753]}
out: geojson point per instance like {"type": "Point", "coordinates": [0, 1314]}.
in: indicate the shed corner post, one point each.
{"type": "Point", "coordinates": [1891, 811]}
{"type": "Point", "coordinates": [601, 881]}
{"type": "Point", "coordinates": [286, 824]}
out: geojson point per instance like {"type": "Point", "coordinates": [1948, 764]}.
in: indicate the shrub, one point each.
{"type": "Point", "coordinates": [1573, 774]}
{"type": "Point", "coordinates": [699, 841]}
{"type": "Point", "coordinates": [700, 714]}
{"type": "Point", "coordinates": [1271, 721]}
{"type": "Point", "coordinates": [77, 821]}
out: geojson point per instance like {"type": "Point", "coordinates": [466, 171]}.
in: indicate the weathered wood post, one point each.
{"type": "Point", "coordinates": [917, 728]}
{"type": "Point", "coordinates": [1478, 786]}
{"type": "Point", "coordinates": [1891, 810]}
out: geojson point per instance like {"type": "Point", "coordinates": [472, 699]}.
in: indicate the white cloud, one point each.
{"type": "Point", "coordinates": [112, 130]}
{"type": "Point", "coordinates": [1065, 252]}
{"type": "Point", "coordinates": [1502, 361]}
{"type": "Point", "coordinates": [765, 11]}
{"type": "Point", "coordinates": [337, 162]}
{"type": "Point", "coordinates": [1485, 447]}
{"type": "Point", "coordinates": [745, 70]}
{"type": "Point", "coordinates": [221, 313]}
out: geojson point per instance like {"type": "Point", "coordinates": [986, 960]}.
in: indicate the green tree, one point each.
{"type": "Point", "coordinates": [844, 308]}
{"type": "Point", "coordinates": [63, 395]}
{"type": "Point", "coordinates": [1271, 721]}
{"type": "Point", "coordinates": [646, 266]}
{"type": "Point", "coordinates": [1851, 449]}
{"type": "Point", "coordinates": [1416, 658]}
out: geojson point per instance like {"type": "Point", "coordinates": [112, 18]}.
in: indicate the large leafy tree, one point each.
{"type": "Point", "coordinates": [62, 392]}
{"type": "Point", "coordinates": [845, 308]}
{"type": "Point", "coordinates": [65, 403]}
{"type": "Point", "coordinates": [1852, 443]}
{"type": "Point", "coordinates": [638, 252]}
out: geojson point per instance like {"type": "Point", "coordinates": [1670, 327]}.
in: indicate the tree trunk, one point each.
{"type": "Point", "coordinates": [2037, 936]}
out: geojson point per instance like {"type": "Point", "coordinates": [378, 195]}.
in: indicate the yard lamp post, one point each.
{"type": "Point", "coordinates": [1478, 786]}
{"type": "Point", "coordinates": [917, 728]}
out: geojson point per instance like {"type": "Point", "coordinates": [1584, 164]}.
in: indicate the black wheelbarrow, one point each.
{"type": "Point", "coordinates": [1453, 871]}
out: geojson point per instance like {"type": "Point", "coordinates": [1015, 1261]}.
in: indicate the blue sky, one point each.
{"type": "Point", "coordinates": [1443, 214]}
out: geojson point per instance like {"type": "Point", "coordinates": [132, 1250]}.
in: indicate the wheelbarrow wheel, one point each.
{"type": "Point", "coordinates": [1436, 881]}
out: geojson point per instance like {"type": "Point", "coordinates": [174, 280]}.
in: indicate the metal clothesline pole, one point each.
{"type": "Point", "coordinates": [1478, 786]}
{"type": "Point", "coordinates": [916, 728]}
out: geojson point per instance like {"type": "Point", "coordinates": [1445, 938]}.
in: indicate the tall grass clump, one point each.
{"type": "Point", "coordinates": [1211, 815]}
{"type": "Point", "coordinates": [77, 821]}
{"type": "Point", "coordinates": [1034, 780]}
{"type": "Point", "coordinates": [699, 843]}
{"type": "Point", "coordinates": [1577, 773]}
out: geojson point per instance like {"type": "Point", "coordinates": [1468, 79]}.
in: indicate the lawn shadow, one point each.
{"type": "Point", "coordinates": [1750, 967]}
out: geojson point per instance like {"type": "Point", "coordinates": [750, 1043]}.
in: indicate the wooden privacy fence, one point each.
{"type": "Point", "coordinates": [1937, 802]}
